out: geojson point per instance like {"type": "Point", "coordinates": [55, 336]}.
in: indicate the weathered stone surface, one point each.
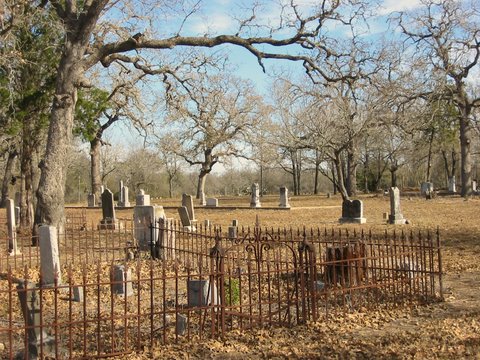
{"type": "Point", "coordinates": [426, 187]}
{"type": "Point", "coordinates": [12, 228]}
{"type": "Point", "coordinates": [184, 216]}
{"type": "Point", "coordinates": [201, 293]}
{"type": "Point", "coordinates": [122, 281]}
{"type": "Point", "coordinates": [142, 199]}
{"type": "Point", "coordinates": [165, 246]}
{"type": "Point", "coordinates": [108, 212]}
{"type": "Point", "coordinates": [352, 212]}
{"type": "Point", "coordinates": [255, 199]}
{"type": "Point", "coordinates": [284, 197]}
{"type": "Point", "coordinates": [49, 255]}
{"type": "Point", "coordinates": [452, 186]}
{"type": "Point", "coordinates": [187, 201]}
{"type": "Point", "coordinates": [232, 232]}
{"type": "Point", "coordinates": [396, 216]}
{"type": "Point", "coordinates": [212, 202]}
{"type": "Point", "coordinates": [143, 217]}
{"type": "Point", "coordinates": [91, 202]}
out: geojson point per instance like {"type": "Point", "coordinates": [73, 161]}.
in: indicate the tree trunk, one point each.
{"type": "Point", "coordinates": [429, 157]}
{"type": "Point", "coordinates": [96, 178]}
{"type": "Point", "coordinates": [294, 170]}
{"type": "Point", "coordinates": [365, 173]}
{"type": "Point", "coordinates": [26, 197]}
{"type": "Point", "coordinates": [170, 186]}
{"type": "Point", "coordinates": [7, 176]}
{"type": "Point", "coordinates": [340, 177]}
{"type": "Point", "coordinates": [51, 190]}
{"type": "Point", "coordinates": [201, 183]}
{"type": "Point", "coordinates": [465, 146]}
{"type": "Point", "coordinates": [317, 172]}
{"type": "Point", "coordinates": [393, 173]}
{"type": "Point", "coordinates": [334, 178]}
{"type": "Point", "coordinates": [351, 178]}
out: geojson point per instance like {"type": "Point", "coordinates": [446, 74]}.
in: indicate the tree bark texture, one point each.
{"type": "Point", "coordinates": [96, 177]}
{"type": "Point", "coordinates": [7, 176]}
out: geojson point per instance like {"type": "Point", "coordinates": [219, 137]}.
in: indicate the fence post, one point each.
{"type": "Point", "coordinates": [217, 257]}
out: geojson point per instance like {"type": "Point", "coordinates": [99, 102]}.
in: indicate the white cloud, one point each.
{"type": "Point", "coordinates": [215, 23]}
{"type": "Point", "coordinates": [390, 6]}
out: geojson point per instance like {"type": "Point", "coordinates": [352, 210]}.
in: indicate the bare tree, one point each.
{"type": "Point", "coordinates": [211, 118]}
{"type": "Point", "coordinates": [446, 33]}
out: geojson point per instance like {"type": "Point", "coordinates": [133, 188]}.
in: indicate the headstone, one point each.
{"type": "Point", "coordinates": [120, 193]}
{"type": "Point", "coordinates": [125, 202]}
{"type": "Point", "coordinates": [234, 222]}
{"type": "Point", "coordinates": [91, 200]}
{"type": "Point", "coordinates": [396, 216]}
{"type": "Point", "coordinates": [474, 186]}
{"type": "Point", "coordinates": [187, 201]}
{"type": "Point", "coordinates": [352, 212]}
{"type": "Point", "coordinates": [108, 212]}
{"type": "Point", "coordinates": [206, 223]}
{"type": "Point", "coordinates": [212, 202]}
{"type": "Point", "coordinates": [181, 324]}
{"type": "Point", "coordinates": [201, 293]}
{"type": "Point", "coordinates": [49, 255]}
{"type": "Point", "coordinates": [165, 247]}
{"type": "Point", "coordinates": [426, 187]}
{"type": "Point", "coordinates": [184, 216]}
{"type": "Point", "coordinates": [255, 200]}
{"type": "Point", "coordinates": [77, 293]}
{"type": "Point", "coordinates": [451, 184]}
{"type": "Point", "coordinates": [17, 214]}
{"type": "Point", "coordinates": [142, 199]}
{"type": "Point", "coordinates": [232, 232]}
{"type": "Point", "coordinates": [11, 228]}
{"type": "Point", "coordinates": [284, 198]}
{"type": "Point", "coordinates": [35, 334]}
{"type": "Point", "coordinates": [202, 202]}
{"type": "Point", "coordinates": [122, 281]}
{"type": "Point", "coordinates": [143, 217]}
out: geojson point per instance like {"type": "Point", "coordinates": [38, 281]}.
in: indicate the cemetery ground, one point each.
{"type": "Point", "coordinates": [448, 329]}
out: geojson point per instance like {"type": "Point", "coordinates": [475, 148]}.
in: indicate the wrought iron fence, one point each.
{"type": "Point", "coordinates": [204, 283]}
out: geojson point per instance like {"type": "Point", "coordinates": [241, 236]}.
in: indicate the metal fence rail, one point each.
{"type": "Point", "coordinates": [205, 283]}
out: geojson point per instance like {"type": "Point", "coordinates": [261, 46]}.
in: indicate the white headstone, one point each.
{"type": "Point", "coordinates": [187, 201]}
{"type": "Point", "coordinates": [142, 199]}
{"type": "Point", "coordinates": [396, 216]}
{"type": "Point", "coordinates": [49, 255]}
{"type": "Point", "coordinates": [474, 185]}
{"type": "Point", "coordinates": [143, 217]}
{"type": "Point", "coordinates": [11, 228]}
{"type": "Point", "coordinates": [284, 197]}
{"type": "Point", "coordinates": [122, 281]}
{"type": "Point", "coordinates": [120, 193]}
{"type": "Point", "coordinates": [255, 200]}
{"type": "Point", "coordinates": [426, 187]}
{"type": "Point", "coordinates": [166, 239]}
{"type": "Point", "coordinates": [452, 184]}
{"type": "Point", "coordinates": [125, 202]}
{"type": "Point", "coordinates": [91, 200]}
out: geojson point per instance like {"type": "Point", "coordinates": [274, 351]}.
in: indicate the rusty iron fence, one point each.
{"type": "Point", "coordinates": [187, 285]}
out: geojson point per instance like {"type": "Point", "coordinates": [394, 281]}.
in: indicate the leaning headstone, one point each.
{"type": "Point", "coordinates": [426, 187]}
{"type": "Point", "coordinates": [255, 200]}
{"type": "Point", "coordinates": [37, 339]}
{"type": "Point", "coordinates": [212, 202]}
{"type": "Point", "coordinates": [184, 216]}
{"type": "Point", "coordinates": [187, 201]}
{"type": "Point", "coordinates": [284, 198]}
{"type": "Point", "coordinates": [108, 212]}
{"type": "Point", "coordinates": [142, 199]}
{"type": "Point", "coordinates": [396, 216]}
{"type": "Point", "coordinates": [91, 200]}
{"type": "Point", "coordinates": [11, 228]}
{"type": "Point", "coordinates": [122, 281]}
{"type": "Point", "coordinates": [451, 184]}
{"type": "Point", "coordinates": [165, 246]}
{"type": "Point", "coordinates": [201, 293]}
{"type": "Point", "coordinates": [352, 212]}
{"type": "Point", "coordinates": [143, 218]}
{"type": "Point", "coordinates": [49, 255]}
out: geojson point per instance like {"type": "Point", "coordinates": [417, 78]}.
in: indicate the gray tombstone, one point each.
{"type": "Point", "coordinates": [108, 212]}
{"type": "Point", "coordinates": [49, 255]}
{"type": "Point", "coordinates": [142, 199]}
{"type": "Point", "coordinates": [187, 201]}
{"type": "Point", "coordinates": [396, 216]}
{"type": "Point", "coordinates": [181, 324]}
{"type": "Point", "coordinates": [451, 184]}
{"type": "Point", "coordinates": [11, 228]}
{"type": "Point", "coordinates": [352, 212]}
{"type": "Point", "coordinates": [166, 239]}
{"type": "Point", "coordinates": [36, 336]}
{"type": "Point", "coordinates": [426, 187]}
{"type": "Point", "coordinates": [91, 200]}
{"type": "Point", "coordinates": [232, 232]}
{"type": "Point", "coordinates": [200, 293]}
{"type": "Point", "coordinates": [143, 217]}
{"type": "Point", "coordinates": [122, 281]}
{"type": "Point", "coordinates": [184, 216]}
{"type": "Point", "coordinates": [212, 202]}
{"type": "Point", "coordinates": [17, 214]}
{"type": "Point", "coordinates": [77, 293]}
{"type": "Point", "coordinates": [284, 197]}
{"type": "Point", "coordinates": [234, 222]}
{"type": "Point", "coordinates": [255, 199]}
